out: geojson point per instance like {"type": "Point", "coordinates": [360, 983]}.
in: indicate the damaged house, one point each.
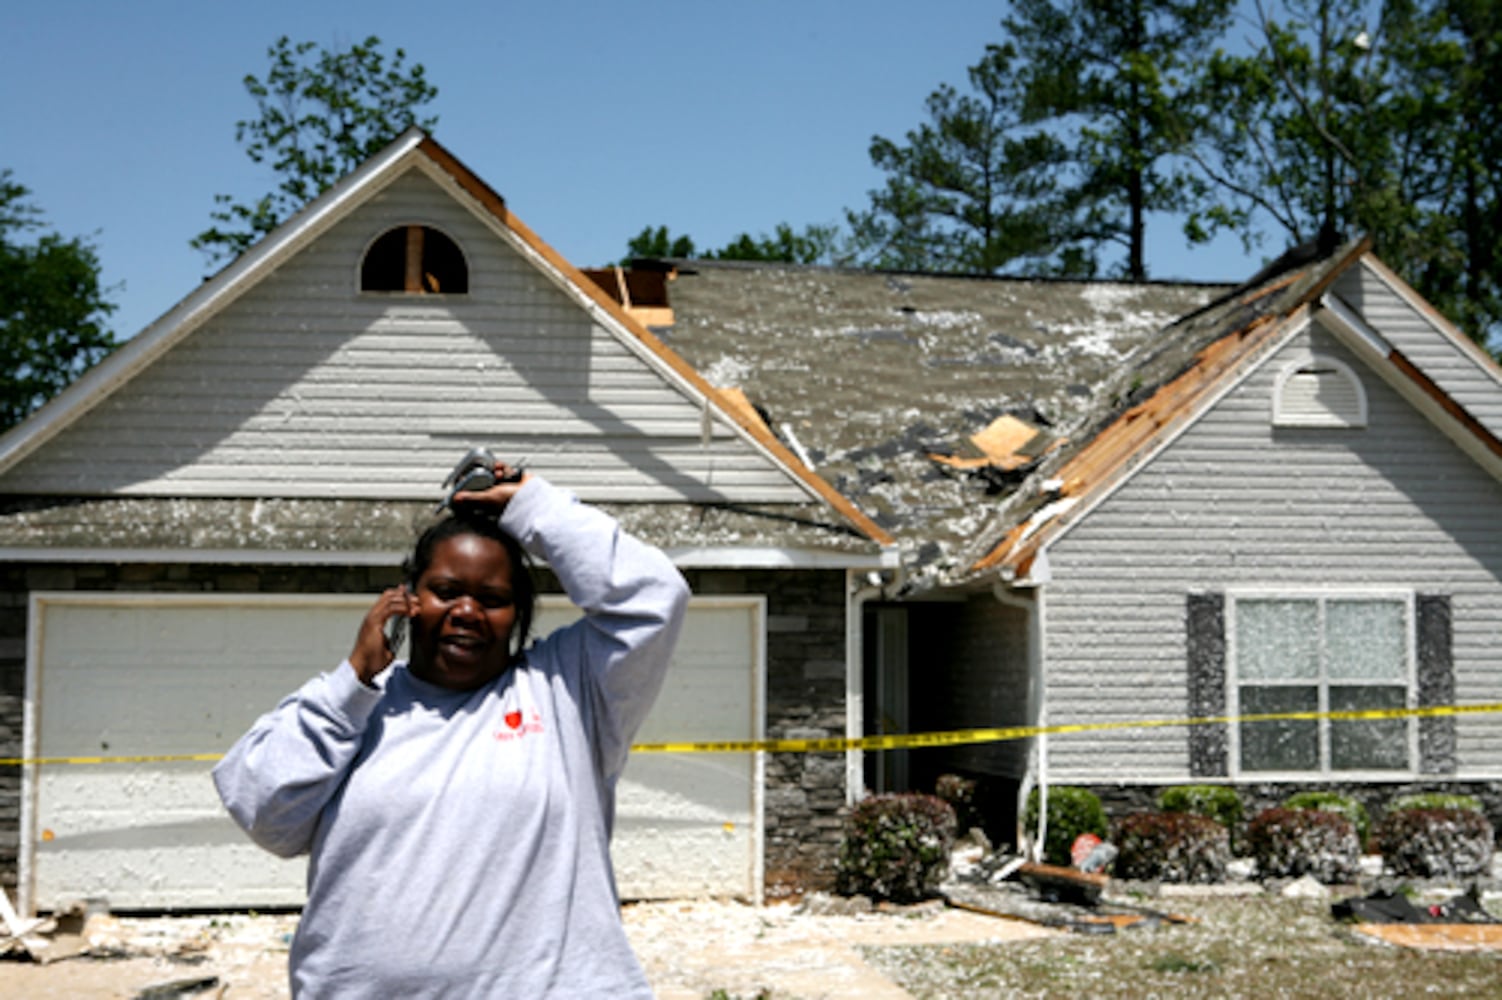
{"type": "Point", "coordinates": [1285, 501]}
{"type": "Point", "coordinates": [905, 503]}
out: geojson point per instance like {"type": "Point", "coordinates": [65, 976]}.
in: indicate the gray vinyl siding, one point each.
{"type": "Point", "coordinates": [304, 386]}
{"type": "Point", "coordinates": [1235, 502]}
{"type": "Point", "coordinates": [1460, 371]}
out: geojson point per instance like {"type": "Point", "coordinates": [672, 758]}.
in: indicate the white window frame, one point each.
{"type": "Point", "coordinates": [1323, 683]}
{"type": "Point", "coordinates": [1281, 416]}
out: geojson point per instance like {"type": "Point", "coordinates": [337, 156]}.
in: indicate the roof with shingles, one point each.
{"type": "Point", "coordinates": [261, 530]}
{"type": "Point", "coordinates": [868, 373]}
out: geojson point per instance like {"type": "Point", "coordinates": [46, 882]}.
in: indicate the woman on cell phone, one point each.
{"type": "Point", "coordinates": [457, 806]}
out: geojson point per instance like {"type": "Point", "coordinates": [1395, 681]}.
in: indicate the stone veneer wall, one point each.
{"type": "Point", "coordinates": [805, 793]}
{"type": "Point", "coordinates": [12, 693]}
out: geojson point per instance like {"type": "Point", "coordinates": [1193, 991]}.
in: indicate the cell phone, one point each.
{"type": "Point", "coordinates": [475, 472]}
{"type": "Point", "coordinates": [396, 633]}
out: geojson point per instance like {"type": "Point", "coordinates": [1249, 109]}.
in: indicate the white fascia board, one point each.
{"type": "Point", "coordinates": [1296, 324]}
{"type": "Point", "coordinates": [1350, 329]}
{"type": "Point", "coordinates": [684, 557]}
{"type": "Point", "coordinates": [203, 302]}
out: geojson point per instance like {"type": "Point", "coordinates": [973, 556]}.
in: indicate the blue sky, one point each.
{"type": "Point", "coordinates": [592, 119]}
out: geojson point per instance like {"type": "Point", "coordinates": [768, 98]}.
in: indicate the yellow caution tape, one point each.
{"type": "Point", "coordinates": [903, 741]}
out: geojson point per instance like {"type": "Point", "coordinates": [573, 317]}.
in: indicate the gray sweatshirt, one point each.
{"type": "Point", "coordinates": [460, 840]}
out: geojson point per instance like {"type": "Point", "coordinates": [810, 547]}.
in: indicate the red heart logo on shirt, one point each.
{"type": "Point", "coordinates": [513, 719]}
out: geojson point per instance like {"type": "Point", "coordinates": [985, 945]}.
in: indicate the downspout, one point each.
{"type": "Point", "coordinates": [860, 587]}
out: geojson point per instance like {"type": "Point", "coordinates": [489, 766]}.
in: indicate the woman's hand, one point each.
{"type": "Point", "coordinates": [508, 479]}
{"type": "Point", "coordinates": [371, 654]}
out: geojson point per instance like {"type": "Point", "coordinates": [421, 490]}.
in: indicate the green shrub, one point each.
{"type": "Point", "coordinates": [1436, 843]}
{"type": "Point", "coordinates": [1071, 812]}
{"type": "Point", "coordinates": [959, 792]}
{"type": "Point", "coordinates": [1171, 847]}
{"type": "Point", "coordinates": [1293, 842]}
{"type": "Point", "coordinates": [896, 847]}
{"type": "Point", "coordinates": [1334, 802]}
{"type": "Point", "coordinates": [1434, 800]}
{"type": "Point", "coordinates": [1219, 802]}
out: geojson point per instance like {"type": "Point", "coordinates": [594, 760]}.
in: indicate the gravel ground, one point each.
{"type": "Point", "coordinates": [689, 949]}
{"type": "Point", "coordinates": [1242, 941]}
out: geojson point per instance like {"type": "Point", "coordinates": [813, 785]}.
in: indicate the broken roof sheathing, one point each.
{"type": "Point", "coordinates": [870, 373]}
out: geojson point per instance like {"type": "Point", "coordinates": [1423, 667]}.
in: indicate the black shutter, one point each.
{"type": "Point", "coordinates": [1436, 683]}
{"type": "Point", "coordinates": [1205, 629]}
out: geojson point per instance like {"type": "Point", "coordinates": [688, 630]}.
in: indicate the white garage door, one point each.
{"type": "Point", "coordinates": [169, 675]}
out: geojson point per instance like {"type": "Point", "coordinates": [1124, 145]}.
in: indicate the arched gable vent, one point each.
{"type": "Point", "coordinates": [415, 260]}
{"type": "Point", "coordinates": [1319, 392]}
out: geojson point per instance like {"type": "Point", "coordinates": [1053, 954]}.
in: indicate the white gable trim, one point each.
{"type": "Point", "coordinates": [208, 299]}
{"type": "Point", "coordinates": [1351, 330]}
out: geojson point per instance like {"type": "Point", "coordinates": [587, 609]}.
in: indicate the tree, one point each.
{"type": "Point", "coordinates": [657, 244]}
{"type": "Point", "coordinates": [1108, 79]}
{"type": "Point", "coordinates": [1337, 126]}
{"type": "Point", "coordinates": [971, 189]}
{"type": "Point", "coordinates": [1069, 137]}
{"type": "Point", "coordinates": [816, 244]}
{"type": "Point", "coordinates": [52, 308]}
{"type": "Point", "coordinates": [321, 113]}
{"type": "Point", "coordinates": [1448, 63]}
{"type": "Point", "coordinates": [1292, 131]}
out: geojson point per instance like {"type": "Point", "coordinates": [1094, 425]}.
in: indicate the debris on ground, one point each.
{"type": "Point", "coordinates": [1091, 854]}
{"type": "Point", "coordinates": [1058, 884]}
{"type": "Point", "coordinates": [173, 989]}
{"type": "Point", "coordinates": [1052, 896]}
{"type": "Point", "coordinates": [1384, 907]}
{"type": "Point", "coordinates": [42, 939]}
{"type": "Point", "coordinates": [1459, 923]}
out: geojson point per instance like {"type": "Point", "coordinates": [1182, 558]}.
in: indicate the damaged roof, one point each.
{"type": "Point", "coordinates": [927, 400]}
{"type": "Point", "coordinates": [235, 530]}
{"type": "Point", "coordinates": [978, 418]}
{"type": "Point", "coordinates": [1175, 378]}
